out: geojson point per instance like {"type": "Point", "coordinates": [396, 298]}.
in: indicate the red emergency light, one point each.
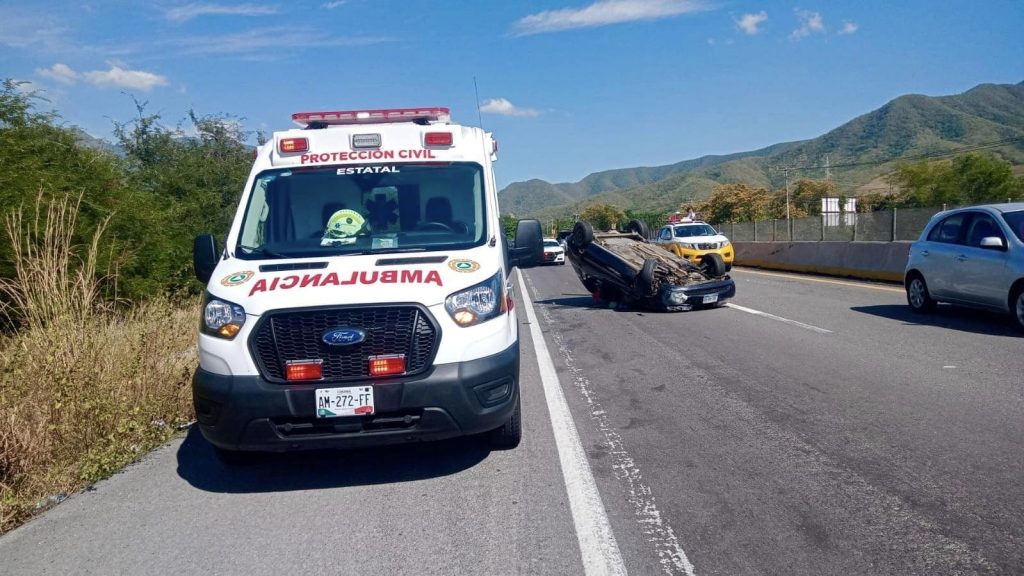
{"type": "Point", "coordinates": [304, 370]}
{"type": "Point", "coordinates": [291, 145]}
{"type": "Point", "coordinates": [342, 117]}
{"type": "Point", "coordinates": [387, 365]}
{"type": "Point", "coordinates": [438, 139]}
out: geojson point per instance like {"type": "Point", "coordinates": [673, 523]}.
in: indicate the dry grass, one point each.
{"type": "Point", "coordinates": [83, 390]}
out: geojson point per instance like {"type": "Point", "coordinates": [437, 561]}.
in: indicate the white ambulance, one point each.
{"type": "Point", "coordinates": [363, 294]}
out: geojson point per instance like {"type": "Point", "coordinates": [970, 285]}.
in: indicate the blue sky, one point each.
{"type": "Point", "coordinates": [568, 86]}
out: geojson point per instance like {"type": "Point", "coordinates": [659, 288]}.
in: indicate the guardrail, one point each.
{"type": "Point", "coordinates": [867, 260]}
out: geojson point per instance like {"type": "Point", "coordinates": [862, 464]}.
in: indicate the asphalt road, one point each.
{"type": "Point", "coordinates": [815, 427]}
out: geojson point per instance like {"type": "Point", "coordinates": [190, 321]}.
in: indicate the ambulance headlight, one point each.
{"type": "Point", "coordinates": [688, 245]}
{"type": "Point", "coordinates": [222, 319]}
{"type": "Point", "coordinates": [478, 303]}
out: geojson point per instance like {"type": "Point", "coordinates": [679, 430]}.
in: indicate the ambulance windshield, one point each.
{"type": "Point", "coordinates": [372, 208]}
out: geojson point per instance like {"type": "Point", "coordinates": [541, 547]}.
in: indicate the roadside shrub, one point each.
{"type": "Point", "coordinates": [84, 389]}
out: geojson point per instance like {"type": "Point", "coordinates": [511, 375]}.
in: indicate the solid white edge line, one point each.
{"type": "Point", "coordinates": [779, 318]}
{"type": "Point", "coordinates": [598, 548]}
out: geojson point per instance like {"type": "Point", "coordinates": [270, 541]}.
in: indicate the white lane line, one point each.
{"type": "Point", "coordinates": [671, 556]}
{"type": "Point", "coordinates": [598, 548]}
{"type": "Point", "coordinates": [779, 318]}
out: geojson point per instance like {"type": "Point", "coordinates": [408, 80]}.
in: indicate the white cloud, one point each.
{"type": "Point", "coordinates": [849, 27]}
{"type": "Point", "coordinates": [269, 41]}
{"type": "Point", "coordinates": [195, 10]}
{"type": "Point", "coordinates": [505, 108]}
{"type": "Point", "coordinates": [810, 23]}
{"type": "Point", "coordinates": [59, 72]}
{"type": "Point", "coordinates": [750, 23]}
{"type": "Point", "coordinates": [332, 5]}
{"type": "Point", "coordinates": [603, 13]}
{"type": "Point", "coordinates": [118, 77]}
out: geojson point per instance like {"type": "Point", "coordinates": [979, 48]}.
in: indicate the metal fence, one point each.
{"type": "Point", "coordinates": [884, 226]}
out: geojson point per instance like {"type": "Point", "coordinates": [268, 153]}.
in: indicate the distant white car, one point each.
{"type": "Point", "coordinates": [553, 252]}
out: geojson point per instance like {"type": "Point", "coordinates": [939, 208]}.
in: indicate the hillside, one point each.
{"type": "Point", "coordinates": [859, 152]}
{"type": "Point", "coordinates": [533, 195]}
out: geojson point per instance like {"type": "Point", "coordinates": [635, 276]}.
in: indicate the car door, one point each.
{"type": "Point", "coordinates": [938, 255]}
{"type": "Point", "coordinates": [982, 274]}
{"type": "Point", "coordinates": [665, 235]}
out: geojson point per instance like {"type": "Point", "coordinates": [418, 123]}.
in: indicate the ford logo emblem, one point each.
{"type": "Point", "coordinates": [343, 336]}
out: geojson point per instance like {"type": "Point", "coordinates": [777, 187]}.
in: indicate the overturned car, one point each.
{"type": "Point", "coordinates": [624, 267]}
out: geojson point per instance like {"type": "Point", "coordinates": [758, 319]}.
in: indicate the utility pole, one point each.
{"type": "Point", "coordinates": [828, 170]}
{"type": "Point", "coordinates": [786, 170]}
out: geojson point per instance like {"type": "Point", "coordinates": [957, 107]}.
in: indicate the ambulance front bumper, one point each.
{"type": "Point", "coordinates": [449, 400]}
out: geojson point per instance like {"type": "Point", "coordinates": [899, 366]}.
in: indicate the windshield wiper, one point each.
{"type": "Point", "coordinates": [262, 252]}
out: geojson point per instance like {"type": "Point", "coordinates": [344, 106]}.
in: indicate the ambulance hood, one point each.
{"type": "Point", "coordinates": [424, 277]}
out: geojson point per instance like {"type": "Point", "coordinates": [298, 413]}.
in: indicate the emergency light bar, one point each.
{"type": "Point", "coordinates": [339, 118]}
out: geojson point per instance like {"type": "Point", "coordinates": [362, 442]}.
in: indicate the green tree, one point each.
{"type": "Point", "coordinates": [807, 194]}
{"type": "Point", "coordinates": [40, 157]}
{"type": "Point", "coordinates": [196, 180]}
{"type": "Point", "coordinates": [508, 224]}
{"type": "Point", "coordinates": [971, 178]}
{"type": "Point", "coordinates": [982, 178]}
{"type": "Point", "coordinates": [603, 216]}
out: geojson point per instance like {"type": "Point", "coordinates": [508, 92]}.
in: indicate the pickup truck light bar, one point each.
{"type": "Point", "coordinates": [343, 117]}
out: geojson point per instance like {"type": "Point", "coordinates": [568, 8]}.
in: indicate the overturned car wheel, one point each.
{"type": "Point", "coordinates": [582, 235]}
{"type": "Point", "coordinates": [645, 278]}
{"type": "Point", "coordinates": [638, 227]}
{"type": "Point", "coordinates": [713, 265]}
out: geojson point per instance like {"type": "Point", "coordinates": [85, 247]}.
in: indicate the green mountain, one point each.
{"type": "Point", "coordinates": [858, 152]}
{"type": "Point", "coordinates": [527, 197]}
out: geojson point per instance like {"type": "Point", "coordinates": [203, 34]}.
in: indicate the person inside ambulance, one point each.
{"type": "Point", "coordinates": [438, 216]}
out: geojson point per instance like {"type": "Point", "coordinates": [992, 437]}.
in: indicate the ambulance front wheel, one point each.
{"type": "Point", "coordinates": [508, 435]}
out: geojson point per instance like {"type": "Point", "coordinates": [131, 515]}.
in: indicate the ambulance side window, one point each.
{"type": "Point", "coordinates": [255, 225]}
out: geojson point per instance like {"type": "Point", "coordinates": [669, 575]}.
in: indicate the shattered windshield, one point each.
{"type": "Point", "coordinates": [363, 209]}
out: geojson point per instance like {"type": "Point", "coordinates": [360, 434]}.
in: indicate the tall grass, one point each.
{"type": "Point", "coordinates": [84, 389]}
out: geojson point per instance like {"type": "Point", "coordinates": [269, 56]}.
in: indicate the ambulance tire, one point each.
{"type": "Point", "coordinates": [508, 435]}
{"type": "Point", "coordinates": [582, 235]}
{"type": "Point", "coordinates": [713, 265]}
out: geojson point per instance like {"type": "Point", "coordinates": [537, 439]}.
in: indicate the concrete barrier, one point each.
{"type": "Point", "coordinates": [867, 260]}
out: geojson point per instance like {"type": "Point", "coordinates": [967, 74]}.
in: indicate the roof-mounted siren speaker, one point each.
{"type": "Point", "coordinates": [387, 116]}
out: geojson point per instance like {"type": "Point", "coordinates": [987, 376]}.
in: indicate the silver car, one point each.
{"type": "Point", "coordinates": [970, 256]}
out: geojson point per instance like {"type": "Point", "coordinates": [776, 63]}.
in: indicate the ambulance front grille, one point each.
{"type": "Point", "coordinates": [298, 335]}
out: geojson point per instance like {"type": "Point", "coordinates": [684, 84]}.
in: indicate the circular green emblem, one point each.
{"type": "Point", "coordinates": [464, 265]}
{"type": "Point", "coordinates": [237, 278]}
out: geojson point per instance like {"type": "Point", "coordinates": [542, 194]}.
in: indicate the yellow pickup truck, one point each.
{"type": "Point", "coordinates": [692, 239]}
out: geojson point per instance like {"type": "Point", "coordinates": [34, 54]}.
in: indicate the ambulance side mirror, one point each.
{"type": "Point", "coordinates": [529, 245]}
{"type": "Point", "coordinates": [204, 256]}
